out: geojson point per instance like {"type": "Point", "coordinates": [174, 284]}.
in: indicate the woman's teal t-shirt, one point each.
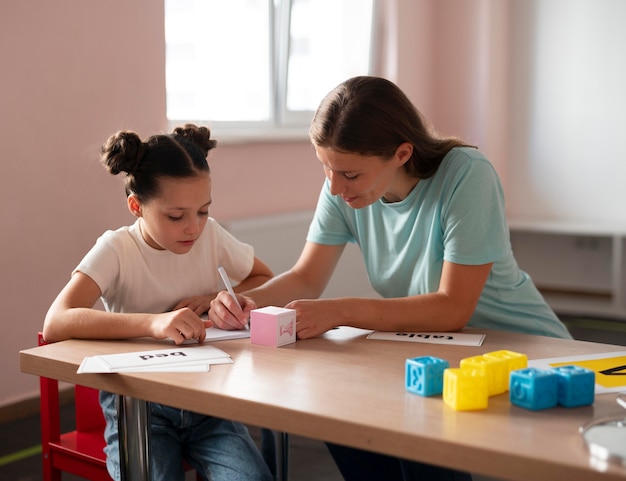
{"type": "Point", "coordinates": [458, 216]}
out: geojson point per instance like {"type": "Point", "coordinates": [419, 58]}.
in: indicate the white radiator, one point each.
{"type": "Point", "coordinates": [278, 240]}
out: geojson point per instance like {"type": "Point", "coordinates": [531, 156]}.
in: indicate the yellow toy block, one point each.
{"type": "Point", "coordinates": [495, 368]}
{"type": "Point", "coordinates": [515, 360]}
{"type": "Point", "coordinates": [465, 389]}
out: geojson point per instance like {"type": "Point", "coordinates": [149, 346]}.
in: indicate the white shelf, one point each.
{"type": "Point", "coordinates": [579, 267]}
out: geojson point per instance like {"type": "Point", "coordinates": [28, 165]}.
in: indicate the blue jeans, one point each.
{"type": "Point", "coordinates": [219, 449]}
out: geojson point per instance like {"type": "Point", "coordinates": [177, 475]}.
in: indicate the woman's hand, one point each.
{"type": "Point", "coordinates": [225, 313]}
{"type": "Point", "coordinates": [178, 325]}
{"type": "Point", "coordinates": [314, 316]}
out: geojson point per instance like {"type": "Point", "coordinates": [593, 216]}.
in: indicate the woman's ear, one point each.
{"type": "Point", "coordinates": [404, 152]}
{"type": "Point", "coordinates": [134, 206]}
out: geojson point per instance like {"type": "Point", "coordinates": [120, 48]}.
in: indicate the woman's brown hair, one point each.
{"type": "Point", "coordinates": [372, 116]}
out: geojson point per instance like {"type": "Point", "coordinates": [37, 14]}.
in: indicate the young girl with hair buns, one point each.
{"type": "Point", "coordinates": [156, 278]}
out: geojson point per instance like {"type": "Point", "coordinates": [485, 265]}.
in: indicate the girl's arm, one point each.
{"type": "Point", "coordinates": [72, 315]}
{"type": "Point", "coordinates": [259, 274]}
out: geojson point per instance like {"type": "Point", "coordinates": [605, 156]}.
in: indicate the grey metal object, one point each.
{"type": "Point", "coordinates": [606, 437]}
{"type": "Point", "coordinates": [134, 438]}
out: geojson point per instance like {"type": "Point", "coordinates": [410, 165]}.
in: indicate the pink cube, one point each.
{"type": "Point", "coordinates": [273, 326]}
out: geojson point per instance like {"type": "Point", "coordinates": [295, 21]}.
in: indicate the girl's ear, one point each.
{"type": "Point", "coordinates": [134, 206]}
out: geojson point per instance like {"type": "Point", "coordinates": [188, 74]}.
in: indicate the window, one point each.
{"type": "Point", "coordinates": [261, 65]}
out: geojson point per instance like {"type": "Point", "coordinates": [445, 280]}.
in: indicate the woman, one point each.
{"type": "Point", "coordinates": [428, 215]}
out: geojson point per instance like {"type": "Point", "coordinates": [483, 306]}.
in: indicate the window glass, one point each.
{"type": "Point", "coordinates": [217, 60]}
{"type": "Point", "coordinates": [264, 63]}
{"type": "Point", "coordinates": [329, 42]}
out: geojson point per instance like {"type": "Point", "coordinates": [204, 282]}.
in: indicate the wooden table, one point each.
{"type": "Point", "coordinates": [344, 388]}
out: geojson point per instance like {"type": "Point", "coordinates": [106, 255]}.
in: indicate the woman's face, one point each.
{"type": "Point", "coordinates": [174, 219]}
{"type": "Point", "coordinates": [361, 180]}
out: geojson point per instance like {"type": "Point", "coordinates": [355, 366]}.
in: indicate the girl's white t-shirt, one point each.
{"type": "Point", "coordinates": [135, 277]}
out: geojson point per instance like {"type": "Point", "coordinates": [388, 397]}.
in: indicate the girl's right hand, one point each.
{"type": "Point", "coordinates": [226, 314]}
{"type": "Point", "coordinates": [178, 325]}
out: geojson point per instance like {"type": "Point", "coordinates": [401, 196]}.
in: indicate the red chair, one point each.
{"type": "Point", "coordinates": [79, 452]}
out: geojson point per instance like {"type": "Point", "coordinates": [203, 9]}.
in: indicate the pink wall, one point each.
{"type": "Point", "coordinates": [451, 58]}
{"type": "Point", "coordinates": [260, 179]}
{"type": "Point", "coordinates": [73, 72]}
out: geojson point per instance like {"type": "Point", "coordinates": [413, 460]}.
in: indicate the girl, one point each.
{"type": "Point", "coordinates": [155, 278]}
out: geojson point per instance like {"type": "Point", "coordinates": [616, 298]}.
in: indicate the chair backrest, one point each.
{"type": "Point", "coordinates": [86, 403]}
{"type": "Point", "coordinates": [88, 411]}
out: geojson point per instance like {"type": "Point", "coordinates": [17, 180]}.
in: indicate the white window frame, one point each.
{"type": "Point", "coordinates": [282, 124]}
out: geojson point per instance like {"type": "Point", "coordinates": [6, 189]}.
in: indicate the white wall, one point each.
{"type": "Point", "coordinates": [568, 121]}
{"type": "Point", "coordinates": [278, 240]}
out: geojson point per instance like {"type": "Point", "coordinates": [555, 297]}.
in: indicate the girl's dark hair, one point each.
{"type": "Point", "coordinates": [372, 116]}
{"type": "Point", "coordinates": [179, 154]}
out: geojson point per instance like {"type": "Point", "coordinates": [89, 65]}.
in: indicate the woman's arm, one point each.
{"type": "Point", "coordinates": [259, 275]}
{"type": "Point", "coordinates": [305, 280]}
{"type": "Point", "coordinates": [71, 315]}
{"type": "Point", "coordinates": [448, 309]}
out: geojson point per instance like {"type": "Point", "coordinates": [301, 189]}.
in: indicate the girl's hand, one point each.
{"type": "Point", "coordinates": [198, 304]}
{"type": "Point", "coordinates": [313, 316]}
{"type": "Point", "coordinates": [226, 314]}
{"type": "Point", "coordinates": [178, 325]}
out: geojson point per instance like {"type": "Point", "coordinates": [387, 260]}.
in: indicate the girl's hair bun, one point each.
{"type": "Point", "coordinates": [198, 135]}
{"type": "Point", "coordinates": [122, 152]}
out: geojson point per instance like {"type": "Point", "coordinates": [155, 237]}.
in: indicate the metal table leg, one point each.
{"type": "Point", "coordinates": [133, 424]}
{"type": "Point", "coordinates": [282, 455]}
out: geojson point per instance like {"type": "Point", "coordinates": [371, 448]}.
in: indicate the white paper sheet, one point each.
{"type": "Point", "coordinates": [177, 358]}
{"type": "Point", "coordinates": [455, 338]}
{"type": "Point", "coordinates": [215, 334]}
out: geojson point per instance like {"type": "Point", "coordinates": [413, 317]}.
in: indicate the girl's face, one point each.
{"type": "Point", "coordinates": [361, 180]}
{"type": "Point", "coordinates": [174, 219]}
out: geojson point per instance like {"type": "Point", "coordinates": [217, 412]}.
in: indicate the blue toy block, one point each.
{"type": "Point", "coordinates": [576, 386]}
{"type": "Point", "coordinates": [534, 388]}
{"type": "Point", "coordinates": [424, 375]}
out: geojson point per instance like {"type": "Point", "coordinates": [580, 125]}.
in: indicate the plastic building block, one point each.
{"type": "Point", "coordinates": [273, 326]}
{"type": "Point", "coordinates": [424, 375]}
{"type": "Point", "coordinates": [496, 369]}
{"type": "Point", "coordinates": [514, 360]}
{"type": "Point", "coordinates": [533, 388]}
{"type": "Point", "coordinates": [465, 389]}
{"type": "Point", "coordinates": [576, 386]}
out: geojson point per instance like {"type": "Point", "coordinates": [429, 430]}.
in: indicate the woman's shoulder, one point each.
{"type": "Point", "coordinates": [466, 154]}
{"type": "Point", "coordinates": [466, 159]}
